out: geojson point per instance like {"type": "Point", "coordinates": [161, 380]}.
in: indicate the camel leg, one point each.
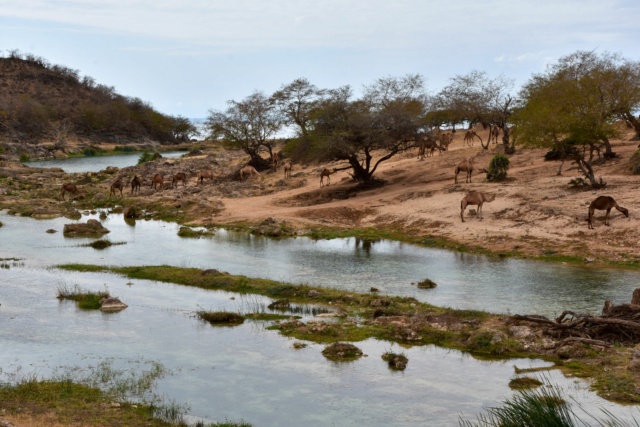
{"type": "Point", "coordinates": [479, 210]}
{"type": "Point", "coordinates": [606, 217]}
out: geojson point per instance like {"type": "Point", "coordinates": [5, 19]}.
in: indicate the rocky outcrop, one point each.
{"type": "Point", "coordinates": [112, 304]}
{"type": "Point", "coordinates": [91, 228]}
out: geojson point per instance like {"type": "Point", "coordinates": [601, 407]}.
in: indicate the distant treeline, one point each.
{"type": "Point", "coordinates": [41, 101]}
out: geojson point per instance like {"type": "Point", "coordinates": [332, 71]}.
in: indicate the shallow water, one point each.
{"type": "Point", "coordinates": [96, 163]}
{"type": "Point", "coordinates": [464, 281]}
{"type": "Point", "coordinates": [250, 373]}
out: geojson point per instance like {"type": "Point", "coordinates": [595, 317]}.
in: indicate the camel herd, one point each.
{"type": "Point", "coordinates": [467, 166]}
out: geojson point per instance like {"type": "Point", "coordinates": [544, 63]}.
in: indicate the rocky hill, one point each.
{"type": "Point", "coordinates": [49, 104]}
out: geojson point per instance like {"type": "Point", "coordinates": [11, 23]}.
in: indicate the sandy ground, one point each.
{"type": "Point", "coordinates": [535, 211]}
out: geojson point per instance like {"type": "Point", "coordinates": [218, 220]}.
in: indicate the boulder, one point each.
{"type": "Point", "coordinates": [91, 228]}
{"type": "Point", "coordinates": [112, 304]}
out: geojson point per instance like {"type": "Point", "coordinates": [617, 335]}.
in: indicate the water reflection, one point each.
{"type": "Point", "coordinates": [96, 163]}
{"type": "Point", "coordinates": [464, 281]}
{"type": "Point", "coordinates": [247, 372]}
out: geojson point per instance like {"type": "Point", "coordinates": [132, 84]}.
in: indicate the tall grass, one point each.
{"type": "Point", "coordinates": [86, 299]}
{"type": "Point", "coordinates": [537, 408]}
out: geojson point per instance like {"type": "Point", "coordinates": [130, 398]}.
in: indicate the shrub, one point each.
{"type": "Point", "coordinates": [498, 168]}
{"type": "Point", "coordinates": [635, 163]}
{"type": "Point", "coordinates": [145, 157]}
{"type": "Point", "coordinates": [24, 157]}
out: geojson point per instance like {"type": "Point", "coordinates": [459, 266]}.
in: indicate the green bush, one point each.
{"type": "Point", "coordinates": [498, 168]}
{"type": "Point", "coordinates": [145, 157]}
{"type": "Point", "coordinates": [24, 157]}
{"type": "Point", "coordinates": [635, 163]}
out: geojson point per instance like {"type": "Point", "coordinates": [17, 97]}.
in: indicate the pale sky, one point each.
{"type": "Point", "coordinates": [185, 57]}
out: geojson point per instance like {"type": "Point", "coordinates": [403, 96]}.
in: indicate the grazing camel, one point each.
{"type": "Point", "coordinates": [604, 203]}
{"type": "Point", "coordinates": [475, 198]}
{"type": "Point", "coordinates": [157, 182]}
{"type": "Point", "coordinates": [326, 173]}
{"type": "Point", "coordinates": [427, 143]}
{"type": "Point", "coordinates": [469, 136]}
{"type": "Point", "coordinates": [493, 134]}
{"type": "Point", "coordinates": [249, 171]}
{"type": "Point", "coordinates": [136, 182]}
{"type": "Point", "coordinates": [204, 174]}
{"type": "Point", "coordinates": [68, 188]}
{"type": "Point", "coordinates": [288, 167]}
{"type": "Point", "coordinates": [180, 176]}
{"type": "Point", "coordinates": [118, 185]}
{"type": "Point", "coordinates": [275, 160]}
{"type": "Point", "coordinates": [465, 166]}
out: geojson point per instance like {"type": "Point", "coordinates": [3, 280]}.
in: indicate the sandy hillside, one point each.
{"type": "Point", "coordinates": [535, 211]}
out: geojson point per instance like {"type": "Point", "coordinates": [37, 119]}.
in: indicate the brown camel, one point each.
{"type": "Point", "coordinates": [326, 173]}
{"type": "Point", "coordinates": [68, 188]}
{"type": "Point", "coordinates": [288, 167]}
{"type": "Point", "coordinates": [118, 185]}
{"type": "Point", "coordinates": [493, 134]}
{"type": "Point", "coordinates": [204, 174]}
{"type": "Point", "coordinates": [249, 171]}
{"type": "Point", "coordinates": [469, 136]}
{"type": "Point", "coordinates": [604, 203]}
{"type": "Point", "coordinates": [465, 166]}
{"type": "Point", "coordinates": [157, 182]}
{"type": "Point", "coordinates": [427, 146]}
{"type": "Point", "coordinates": [136, 182]}
{"type": "Point", "coordinates": [180, 176]}
{"type": "Point", "coordinates": [445, 140]}
{"type": "Point", "coordinates": [475, 198]}
{"type": "Point", "coordinates": [275, 160]}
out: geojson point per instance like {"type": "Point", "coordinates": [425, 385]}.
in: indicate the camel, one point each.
{"type": "Point", "coordinates": [275, 159]}
{"type": "Point", "coordinates": [604, 203]}
{"type": "Point", "coordinates": [475, 198]}
{"type": "Point", "coordinates": [427, 143]}
{"type": "Point", "coordinates": [68, 188]}
{"type": "Point", "coordinates": [445, 140]}
{"type": "Point", "coordinates": [326, 173]}
{"type": "Point", "coordinates": [136, 182]}
{"type": "Point", "coordinates": [157, 182]}
{"type": "Point", "coordinates": [249, 171]}
{"type": "Point", "coordinates": [493, 134]}
{"type": "Point", "coordinates": [465, 166]}
{"type": "Point", "coordinates": [469, 136]}
{"type": "Point", "coordinates": [288, 167]}
{"type": "Point", "coordinates": [118, 185]}
{"type": "Point", "coordinates": [204, 174]}
{"type": "Point", "coordinates": [180, 176]}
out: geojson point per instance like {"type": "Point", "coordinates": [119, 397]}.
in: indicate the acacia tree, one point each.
{"type": "Point", "coordinates": [573, 106]}
{"type": "Point", "coordinates": [247, 125]}
{"type": "Point", "coordinates": [578, 99]}
{"type": "Point", "coordinates": [383, 122]}
{"type": "Point", "coordinates": [296, 101]}
{"type": "Point", "coordinates": [475, 98]}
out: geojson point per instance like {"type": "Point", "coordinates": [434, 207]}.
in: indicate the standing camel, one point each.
{"type": "Point", "coordinates": [136, 182]}
{"type": "Point", "coordinates": [465, 166]}
{"type": "Point", "coordinates": [202, 175]}
{"type": "Point", "coordinates": [445, 140]}
{"type": "Point", "coordinates": [469, 136]}
{"type": "Point", "coordinates": [326, 173]}
{"type": "Point", "coordinates": [180, 176]}
{"type": "Point", "coordinates": [118, 185]}
{"type": "Point", "coordinates": [427, 143]}
{"type": "Point", "coordinates": [249, 171]}
{"type": "Point", "coordinates": [275, 160]}
{"type": "Point", "coordinates": [68, 188]}
{"type": "Point", "coordinates": [493, 134]}
{"type": "Point", "coordinates": [604, 203]}
{"type": "Point", "coordinates": [288, 167]}
{"type": "Point", "coordinates": [475, 198]}
{"type": "Point", "coordinates": [157, 182]}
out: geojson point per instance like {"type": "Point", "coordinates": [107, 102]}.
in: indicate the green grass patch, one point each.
{"type": "Point", "coordinates": [86, 300]}
{"type": "Point", "coordinates": [221, 317]}
{"type": "Point", "coordinates": [522, 383]}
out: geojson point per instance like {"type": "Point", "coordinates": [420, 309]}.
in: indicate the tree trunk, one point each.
{"type": "Point", "coordinates": [360, 173]}
{"type": "Point", "coordinates": [634, 122]}
{"type": "Point", "coordinates": [508, 148]}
